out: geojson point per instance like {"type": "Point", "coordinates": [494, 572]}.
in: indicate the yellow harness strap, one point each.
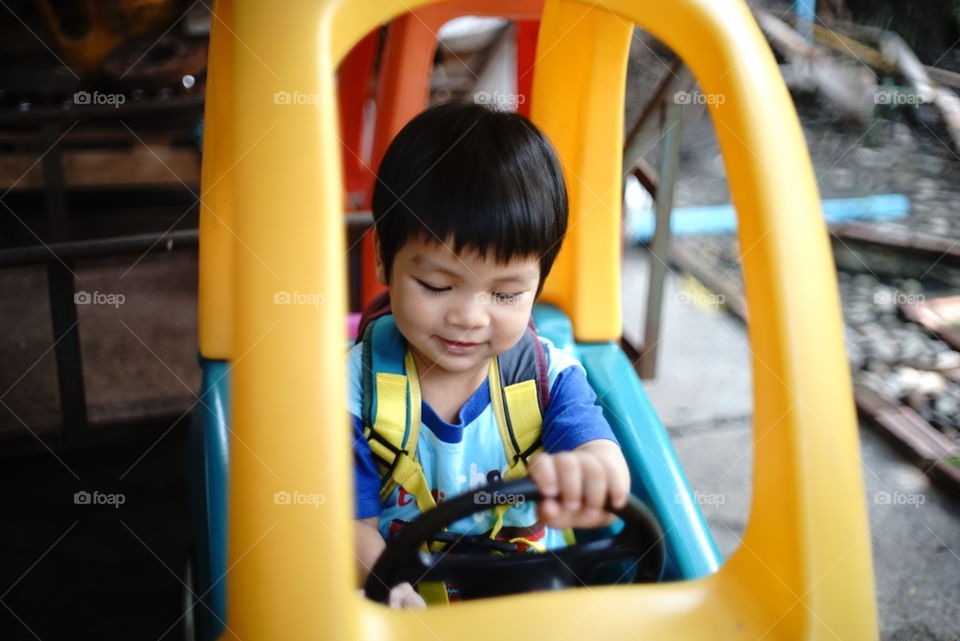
{"type": "Point", "coordinates": [524, 411]}
{"type": "Point", "coordinates": [391, 423]}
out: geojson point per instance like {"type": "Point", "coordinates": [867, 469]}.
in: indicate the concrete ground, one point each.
{"type": "Point", "coordinates": [702, 392]}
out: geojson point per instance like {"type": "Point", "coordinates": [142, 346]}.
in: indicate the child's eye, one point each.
{"type": "Point", "coordinates": [432, 289]}
{"type": "Point", "coordinates": [502, 297]}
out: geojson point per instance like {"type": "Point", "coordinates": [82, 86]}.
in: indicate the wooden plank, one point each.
{"type": "Point", "coordinates": [139, 165]}
{"type": "Point", "coordinates": [937, 315]}
{"type": "Point", "coordinates": [945, 76]}
{"type": "Point", "coordinates": [848, 46]}
{"type": "Point", "coordinates": [899, 238]}
{"type": "Point", "coordinates": [936, 455]}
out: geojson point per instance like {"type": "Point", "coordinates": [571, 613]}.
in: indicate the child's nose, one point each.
{"type": "Point", "coordinates": [469, 313]}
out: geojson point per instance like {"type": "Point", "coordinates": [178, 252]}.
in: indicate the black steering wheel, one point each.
{"type": "Point", "coordinates": [463, 562]}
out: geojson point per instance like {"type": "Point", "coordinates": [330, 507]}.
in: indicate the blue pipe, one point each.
{"type": "Point", "coordinates": [722, 219]}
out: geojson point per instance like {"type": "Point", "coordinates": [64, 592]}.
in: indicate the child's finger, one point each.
{"type": "Point", "coordinates": [414, 600]}
{"type": "Point", "coordinates": [395, 598]}
{"type": "Point", "coordinates": [618, 487]}
{"type": "Point", "coordinates": [543, 472]}
{"type": "Point", "coordinates": [594, 483]}
{"type": "Point", "coordinates": [548, 511]}
{"type": "Point", "coordinates": [571, 480]}
{"type": "Point", "coordinates": [560, 517]}
{"type": "Point", "coordinates": [404, 596]}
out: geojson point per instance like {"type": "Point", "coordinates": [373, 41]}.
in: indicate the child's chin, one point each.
{"type": "Point", "coordinates": [459, 363]}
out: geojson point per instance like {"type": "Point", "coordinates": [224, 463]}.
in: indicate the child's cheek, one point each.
{"type": "Point", "coordinates": [513, 322]}
{"type": "Point", "coordinates": [420, 309]}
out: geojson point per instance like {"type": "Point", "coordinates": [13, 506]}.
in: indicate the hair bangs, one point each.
{"type": "Point", "coordinates": [486, 181]}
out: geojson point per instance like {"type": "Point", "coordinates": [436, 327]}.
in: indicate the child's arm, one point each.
{"type": "Point", "coordinates": [370, 546]}
{"type": "Point", "coordinates": [578, 483]}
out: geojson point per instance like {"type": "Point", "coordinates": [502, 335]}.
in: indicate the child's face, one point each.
{"type": "Point", "coordinates": [458, 312]}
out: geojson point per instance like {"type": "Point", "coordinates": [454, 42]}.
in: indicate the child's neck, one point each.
{"type": "Point", "coordinates": [447, 393]}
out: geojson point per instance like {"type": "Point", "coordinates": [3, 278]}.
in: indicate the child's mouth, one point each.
{"type": "Point", "coordinates": [458, 348]}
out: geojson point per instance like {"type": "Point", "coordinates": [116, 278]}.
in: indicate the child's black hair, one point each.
{"type": "Point", "coordinates": [490, 180]}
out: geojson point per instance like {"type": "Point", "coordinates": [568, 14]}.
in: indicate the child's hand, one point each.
{"type": "Point", "coordinates": [404, 596]}
{"type": "Point", "coordinates": [576, 485]}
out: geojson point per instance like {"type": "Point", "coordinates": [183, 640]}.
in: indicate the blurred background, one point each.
{"type": "Point", "coordinates": [101, 130]}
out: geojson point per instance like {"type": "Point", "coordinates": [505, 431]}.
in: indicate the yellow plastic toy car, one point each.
{"type": "Point", "coordinates": [272, 222]}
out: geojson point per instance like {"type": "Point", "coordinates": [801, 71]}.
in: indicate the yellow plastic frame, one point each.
{"type": "Point", "coordinates": [273, 303]}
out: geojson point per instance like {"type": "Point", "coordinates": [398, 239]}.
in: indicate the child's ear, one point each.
{"type": "Point", "coordinates": [378, 258]}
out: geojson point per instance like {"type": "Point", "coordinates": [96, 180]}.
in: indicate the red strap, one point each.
{"type": "Point", "coordinates": [543, 379]}
{"type": "Point", "coordinates": [378, 307]}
